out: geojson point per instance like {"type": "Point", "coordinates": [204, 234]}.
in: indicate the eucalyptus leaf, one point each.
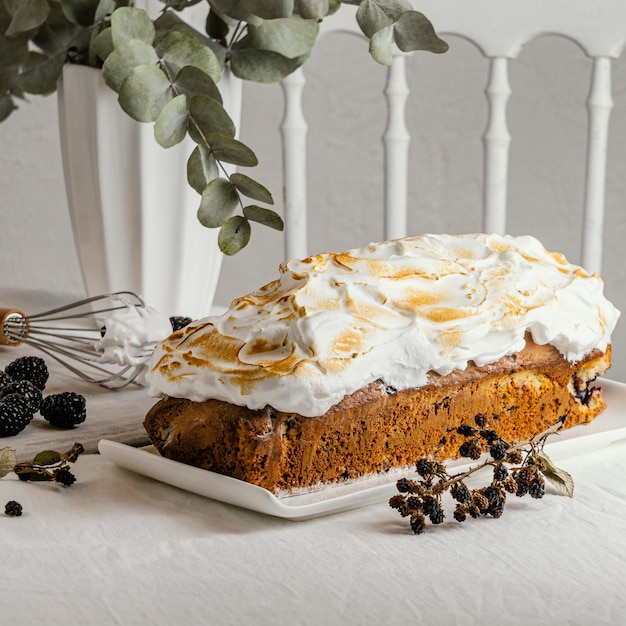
{"type": "Point", "coordinates": [312, 9]}
{"type": "Point", "coordinates": [194, 82]}
{"type": "Point", "coordinates": [561, 479]}
{"type": "Point", "coordinates": [234, 235]}
{"type": "Point", "coordinates": [170, 127]}
{"type": "Point", "coordinates": [47, 457]}
{"type": "Point", "coordinates": [178, 50]}
{"type": "Point", "coordinates": [251, 188]}
{"type": "Point", "coordinates": [371, 18]}
{"type": "Point", "coordinates": [105, 9]}
{"type": "Point", "coordinates": [6, 107]}
{"type": "Point", "coordinates": [201, 168]}
{"type": "Point", "coordinates": [262, 66]}
{"type": "Point", "coordinates": [233, 9]}
{"type": "Point", "coordinates": [101, 46]}
{"type": "Point", "coordinates": [381, 46]}
{"type": "Point", "coordinates": [218, 203]}
{"type": "Point", "coordinates": [414, 31]}
{"type": "Point", "coordinates": [267, 217]}
{"type": "Point", "coordinates": [208, 117]}
{"type": "Point", "coordinates": [231, 151]}
{"type": "Point", "coordinates": [144, 93]}
{"type": "Point", "coordinates": [290, 37]}
{"type": "Point", "coordinates": [28, 14]}
{"type": "Point", "coordinates": [42, 74]}
{"type": "Point", "coordinates": [125, 58]}
{"type": "Point", "coordinates": [268, 9]}
{"type": "Point", "coordinates": [81, 12]}
{"type": "Point", "coordinates": [394, 8]}
{"type": "Point", "coordinates": [8, 460]}
{"type": "Point", "coordinates": [130, 23]}
{"type": "Point", "coordinates": [216, 26]}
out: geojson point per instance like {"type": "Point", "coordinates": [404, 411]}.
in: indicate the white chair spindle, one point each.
{"type": "Point", "coordinates": [396, 141]}
{"type": "Point", "coordinates": [599, 105]}
{"type": "Point", "coordinates": [496, 143]}
{"type": "Point", "coordinates": [294, 130]}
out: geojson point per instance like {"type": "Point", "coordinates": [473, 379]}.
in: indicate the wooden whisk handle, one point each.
{"type": "Point", "coordinates": [5, 315]}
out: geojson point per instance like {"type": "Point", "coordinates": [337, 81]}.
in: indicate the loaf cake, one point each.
{"type": "Point", "coordinates": [357, 363]}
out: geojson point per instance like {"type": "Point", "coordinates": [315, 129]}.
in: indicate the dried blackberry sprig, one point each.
{"type": "Point", "coordinates": [518, 469]}
{"type": "Point", "coordinates": [48, 465]}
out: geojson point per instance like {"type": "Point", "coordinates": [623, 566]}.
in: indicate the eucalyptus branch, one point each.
{"type": "Point", "coordinates": [135, 53]}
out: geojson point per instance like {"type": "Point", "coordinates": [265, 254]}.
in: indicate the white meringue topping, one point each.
{"type": "Point", "coordinates": [395, 311]}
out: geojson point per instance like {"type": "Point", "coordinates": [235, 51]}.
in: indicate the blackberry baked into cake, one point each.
{"type": "Point", "coordinates": [356, 363]}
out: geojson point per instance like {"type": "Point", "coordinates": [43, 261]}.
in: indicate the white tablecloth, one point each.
{"type": "Point", "coordinates": [120, 548]}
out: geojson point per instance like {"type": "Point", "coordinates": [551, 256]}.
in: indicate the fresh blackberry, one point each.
{"type": "Point", "coordinates": [424, 467]}
{"type": "Point", "coordinates": [64, 410]}
{"type": "Point", "coordinates": [498, 450]}
{"type": "Point", "coordinates": [14, 415]}
{"type": "Point", "coordinates": [13, 508]}
{"type": "Point", "coordinates": [24, 388]}
{"type": "Point", "coordinates": [32, 368]}
{"type": "Point", "coordinates": [5, 379]}
{"type": "Point", "coordinates": [64, 477]}
{"type": "Point", "coordinates": [179, 322]}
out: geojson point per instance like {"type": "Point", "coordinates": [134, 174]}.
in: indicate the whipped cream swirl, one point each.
{"type": "Point", "coordinates": [395, 311]}
{"type": "Point", "coordinates": [131, 333]}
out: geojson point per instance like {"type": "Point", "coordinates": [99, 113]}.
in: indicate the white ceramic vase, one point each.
{"type": "Point", "coordinates": [133, 213]}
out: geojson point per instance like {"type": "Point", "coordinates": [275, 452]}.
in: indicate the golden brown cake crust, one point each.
{"type": "Point", "coordinates": [378, 428]}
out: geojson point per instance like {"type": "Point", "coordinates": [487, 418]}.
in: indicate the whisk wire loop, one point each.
{"type": "Point", "coordinates": [76, 345]}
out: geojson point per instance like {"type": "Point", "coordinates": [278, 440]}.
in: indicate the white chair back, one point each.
{"type": "Point", "coordinates": [499, 28]}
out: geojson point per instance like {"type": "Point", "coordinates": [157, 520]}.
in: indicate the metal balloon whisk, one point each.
{"type": "Point", "coordinates": [71, 334]}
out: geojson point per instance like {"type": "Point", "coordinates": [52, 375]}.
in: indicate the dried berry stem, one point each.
{"type": "Point", "coordinates": [518, 469]}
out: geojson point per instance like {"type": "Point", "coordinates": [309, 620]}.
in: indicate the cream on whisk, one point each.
{"type": "Point", "coordinates": [395, 311]}
{"type": "Point", "coordinates": [131, 333]}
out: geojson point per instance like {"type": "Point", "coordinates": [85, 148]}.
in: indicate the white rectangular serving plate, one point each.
{"type": "Point", "coordinates": [607, 428]}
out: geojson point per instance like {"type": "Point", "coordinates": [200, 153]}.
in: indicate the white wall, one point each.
{"type": "Point", "coordinates": [547, 118]}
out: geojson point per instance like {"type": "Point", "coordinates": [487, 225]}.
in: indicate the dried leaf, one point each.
{"type": "Point", "coordinates": [47, 457]}
{"type": "Point", "coordinates": [561, 479]}
{"type": "Point", "coordinates": [8, 460]}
